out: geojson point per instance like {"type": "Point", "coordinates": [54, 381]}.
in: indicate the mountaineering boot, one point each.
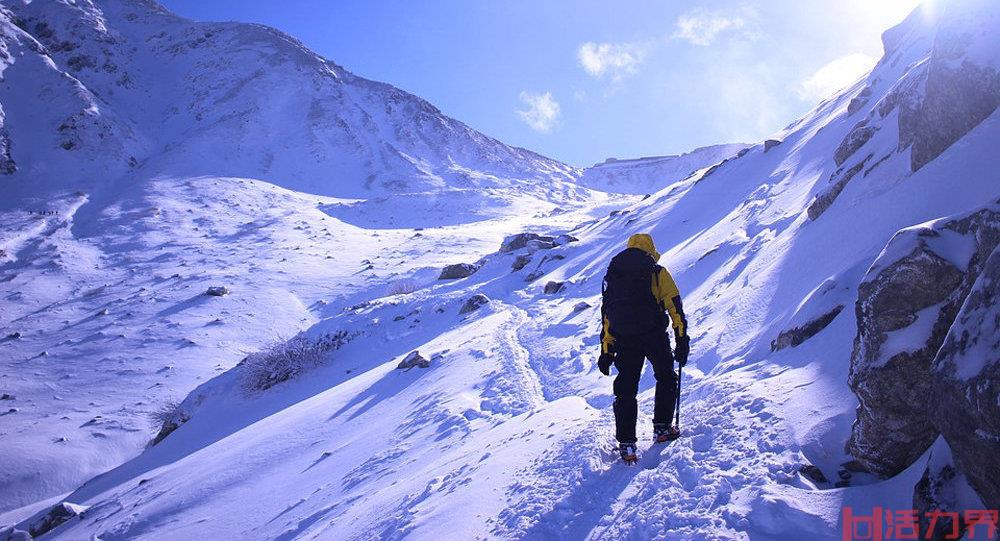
{"type": "Point", "coordinates": [628, 451]}
{"type": "Point", "coordinates": [663, 433]}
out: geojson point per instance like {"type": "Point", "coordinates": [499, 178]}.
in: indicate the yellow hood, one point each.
{"type": "Point", "coordinates": [644, 242]}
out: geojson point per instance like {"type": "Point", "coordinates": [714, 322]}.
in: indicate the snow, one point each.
{"type": "Point", "coordinates": [648, 175]}
{"type": "Point", "coordinates": [508, 432]}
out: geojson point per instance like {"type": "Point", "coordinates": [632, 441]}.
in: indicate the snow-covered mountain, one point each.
{"type": "Point", "coordinates": [851, 255]}
{"type": "Point", "coordinates": [144, 92]}
{"type": "Point", "coordinates": [650, 174]}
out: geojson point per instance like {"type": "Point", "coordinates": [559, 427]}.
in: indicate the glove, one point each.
{"type": "Point", "coordinates": [682, 350]}
{"type": "Point", "coordinates": [604, 363]}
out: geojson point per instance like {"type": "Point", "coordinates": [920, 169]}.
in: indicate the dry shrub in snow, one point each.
{"type": "Point", "coordinates": [168, 417]}
{"type": "Point", "coordinates": [284, 360]}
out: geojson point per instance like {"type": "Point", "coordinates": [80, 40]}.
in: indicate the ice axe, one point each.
{"type": "Point", "coordinates": [677, 408]}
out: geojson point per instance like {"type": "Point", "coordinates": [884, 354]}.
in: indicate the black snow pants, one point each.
{"type": "Point", "coordinates": [631, 353]}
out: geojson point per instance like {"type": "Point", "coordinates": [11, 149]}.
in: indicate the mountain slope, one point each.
{"type": "Point", "coordinates": [122, 128]}
{"type": "Point", "coordinates": [507, 432]}
{"type": "Point", "coordinates": [240, 100]}
{"type": "Point", "coordinates": [647, 175]}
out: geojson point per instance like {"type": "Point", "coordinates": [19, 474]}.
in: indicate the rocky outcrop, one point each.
{"type": "Point", "coordinates": [553, 287]}
{"type": "Point", "coordinates": [906, 305]}
{"type": "Point", "coordinates": [7, 165]}
{"type": "Point", "coordinates": [217, 291]}
{"type": "Point", "coordinates": [955, 89]}
{"type": "Point", "coordinates": [526, 240]}
{"type": "Point", "coordinates": [474, 303]}
{"type": "Point", "coordinates": [840, 178]}
{"type": "Point", "coordinates": [853, 142]}
{"type": "Point", "coordinates": [413, 359]}
{"type": "Point", "coordinates": [521, 262]}
{"type": "Point", "coordinates": [966, 385]}
{"type": "Point", "coordinates": [51, 518]}
{"type": "Point", "coordinates": [458, 270]}
{"type": "Point", "coordinates": [771, 143]}
{"type": "Point", "coordinates": [958, 95]}
{"type": "Point", "coordinates": [942, 489]}
{"type": "Point", "coordinates": [794, 337]}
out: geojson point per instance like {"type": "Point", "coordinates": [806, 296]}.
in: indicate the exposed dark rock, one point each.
{"type": "Point", "coordinates": [941, 489]}
{"type": "Point", "coordinates": [554, 287]}
{"type": "Point", "coordinates": [474, 303]}
{"type": "Point", "coordinates": [796, 336]}
{"type": "Point", "coordinates": [7, 164]}
{"type": "Point", "coordinates": [812, 472]}
{"type": "Point", "coordinates": [534, 275]}
{"type": "Point", "coordinates": [966, 385]}
{"type": "Point", "coordinates": [581, 306]}
{"type": "Point", "coordinates": [824, 200]}
{"type": "Point", "coordinates": [771, 143]}
{"type": "Point", "coordinates": [521, 262]}
{"type": "Point", "coordinates": [414, 359]}
{"type": "Point", "coordinates": [458, 270]}
{"type": "Point", "coordinates": [523, 240]}
{"type": "Point", "coordinates": [217, 291]}
{"type": "Point", "coordinates": [859, 101]}
{"type": "Point", "coordinates": [56, 515]}
{"type": "Point", "coordinates": [564, 239]}
{"type": "Point", "coordinates": [853, 142]}
{"type": "Point", "coordinates": [955, 100]}
{"type": "Point", "coordinates": [916, 292]}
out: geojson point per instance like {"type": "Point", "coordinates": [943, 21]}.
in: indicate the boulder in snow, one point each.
{"type": "Point", "coordinates": [771, 143]}
{"type": "Point", "coordinates": [217, 291]}
{"type": "Point", "coordinates": [474, 303]}
{"type": "Point", "coordinates": [564, 239]}
{"type": "Point", "coordinates": [413, 359]}
{"type": "Point", "coordinates": [521, 262]}
{"type": "Point", "coordinates": [554, 287]}
{"type": "Point", "coordinates": [526, 240]}
{"type": "Point", "coordinates": [581, 306]}
{"type": "Point", "coordinates": [794, 337]}
{"type": "Point", "coordinates": [458, 270]}
{"type": "Point", "coordinates": [51, 518]}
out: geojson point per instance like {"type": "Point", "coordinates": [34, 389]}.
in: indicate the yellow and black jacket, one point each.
{"type": "Point", "coordinates": [664, 292]}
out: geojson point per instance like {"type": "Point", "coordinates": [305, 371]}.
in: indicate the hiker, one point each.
{"type": "Point", "coordinates": [636, 296]}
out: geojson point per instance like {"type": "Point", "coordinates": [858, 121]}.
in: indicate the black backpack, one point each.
{"type": "Point", "coordinates": [627, 295]}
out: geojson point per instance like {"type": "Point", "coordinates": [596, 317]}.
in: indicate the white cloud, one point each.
{"type": "Point", "coordinates": [542, 112]}
{"type": "Point", "coordinates": [701, 26]}
{"type": "Point", "coordinates": [835, 76]}
{"type": "Point", "coordinates": [614, 59]}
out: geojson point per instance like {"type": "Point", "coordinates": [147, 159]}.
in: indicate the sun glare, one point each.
{"type": "Point", "coordinates": [889, 12]}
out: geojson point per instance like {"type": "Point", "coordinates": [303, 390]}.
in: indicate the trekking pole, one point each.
{"type": "Point", "coordinates": [677, 410]}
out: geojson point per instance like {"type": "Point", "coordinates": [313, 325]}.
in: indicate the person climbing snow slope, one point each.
{"type": "Point", "coordinates": [637, 297]}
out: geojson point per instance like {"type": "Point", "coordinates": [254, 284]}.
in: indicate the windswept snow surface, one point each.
{"type": "Point", "coordinates": [508, 433]}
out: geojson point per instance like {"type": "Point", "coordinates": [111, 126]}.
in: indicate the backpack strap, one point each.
{"type": "Point", "coordinates": [656, 279]}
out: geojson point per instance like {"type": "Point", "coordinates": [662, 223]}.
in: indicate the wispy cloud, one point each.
{"type": "Point", "coordinates": [613, 59]}
{"type": "Point", "coordinates": [834, 76]}
{"type": "Point", "coordinates": [701, 26]}
{"type": "Point", "coordinates": [542, 111]}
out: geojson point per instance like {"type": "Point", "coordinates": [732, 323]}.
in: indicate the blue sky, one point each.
{"type": "Point", "coordinates": [585, 80]}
